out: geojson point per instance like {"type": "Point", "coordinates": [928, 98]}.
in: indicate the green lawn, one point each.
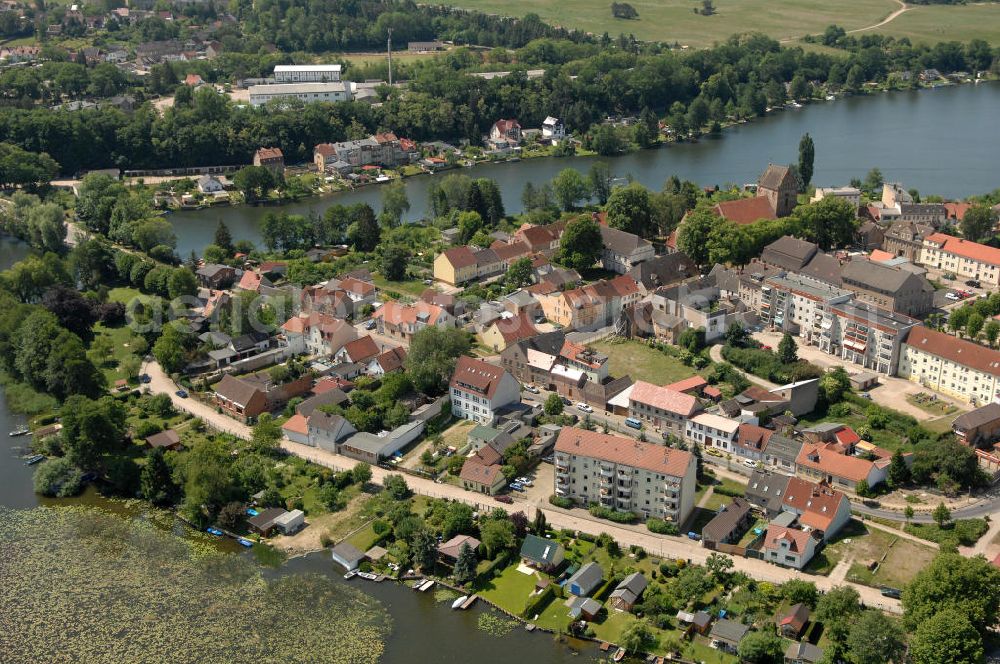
{"type": "Point", "coordinates": [717, 500]}
{"type": "Point", "coordinates": [411, 287]}
{"type": "Point", "coordinates": [509, 590]}
{"type": "Point", "coordinates": [119, 337]}
{"type": "Point", "coordinates": [934, 23]}
{"type": "Point", "coordinates": [641, 362]}
{"type": "Point", "coordinates": [675, 20]}
{"type": "Point", "coordinates": [903, 558]}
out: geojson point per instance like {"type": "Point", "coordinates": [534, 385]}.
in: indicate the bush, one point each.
{"type": "Point", "coordinates": [539, 602]}
{"type": "Point", "coordinates": [661, 527]}
{"type": "Point", "coordinates": [965, 532]}
{"type": "Point", "coordinates": [723, 490]}
{"type": "Point", "coordinates": [561, 501]}
{"type": "Point", "coordinates": [147, 428]}
{"type": "Point", "coordinates": [58, 478]}
{"type": "Point", "coordinates": [611, 515]}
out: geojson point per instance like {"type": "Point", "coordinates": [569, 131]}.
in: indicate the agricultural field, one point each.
{"type": "Point", "coordinates": [677, 21]}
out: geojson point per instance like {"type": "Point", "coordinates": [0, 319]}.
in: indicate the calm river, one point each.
{"type": "Point", "coordinates": [942, 141]}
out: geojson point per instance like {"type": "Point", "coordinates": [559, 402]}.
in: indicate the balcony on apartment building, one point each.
{"type": "Point", "coordinates": [607, 471]}
{"type": "Point", "coordinates": [562, 464]}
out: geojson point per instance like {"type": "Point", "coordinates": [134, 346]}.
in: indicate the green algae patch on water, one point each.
{"type": "Point", "coordinates": [495, 624]}
{"type": "Point", "coordinates": [82, 585]}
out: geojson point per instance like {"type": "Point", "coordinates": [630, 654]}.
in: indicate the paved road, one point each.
{"type": "Point", "coordinates": [576, 519]}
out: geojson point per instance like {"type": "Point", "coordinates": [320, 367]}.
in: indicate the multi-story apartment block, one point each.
{"type": "Point", "coordinates": [964, 259]}
{"type": "Point", "coordinates": [793, 303]}
{"type": "Point", "coordinates": [956, 367]}
{"type": "Point", "coordinates": [478, 390]}
{"type": "Point", "coordinates": [623, 250]}
{"type": "Point", "coordinates": [460, 265]}
{"type": "Point", "coordinates": [666, 410]}
{"type": "Point", "coordinates": [624, 474]}
{"type": "Point", "coordinates": [863, 334]}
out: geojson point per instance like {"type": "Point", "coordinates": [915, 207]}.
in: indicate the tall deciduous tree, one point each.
{"type": "Point", "coordinates": [807, 155]}
{"type": "Point", "coordinates": [875, 638]}
{"type": "Point", "coordinates": [432, 356]}
{"type": "Point", "coordinates": [581, 243]}
{"type": "Point", "coordinates": [629, 209]}
{"type": "Point", "coordinates": [570, 188]}
{"type": "Point", "coordinates": [947, 637]}
{"type": "Point", "coordinates": [969, 586]}
{"type": "Point", "coordinates": [978, 223]}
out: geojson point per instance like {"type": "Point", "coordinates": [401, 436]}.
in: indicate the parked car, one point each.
{"type": "Point", "coordinates": [145, 378]}
{"type": "Point", "coordinates": [712, 451]}
{"type": "Point", "coordinates": [974, 283]}
{"type": "Point", "coordinates": [765, 347]}
{"type": "Point", "coordinates": [517, 487]}
{"type": "Point", "coordinates": [693, 535]}
{"type": "Point", "coordinates": [182, 394]}
{"type": "Point", "coordinates": [890, 592]}
{"type": "Point", "coordinates": [633, 422]}
{"type": "Point", "coordinates": [584, 407]}
{"type": "Point", "coordinates": [370, 325]}
{"type": "Point", "coordinates": [566, 401]}
{"type": "Point", "coordinates": [507, 500]}
{"type": "Point", "coordinates": [952, 296]}
{"type": "Point", "coordinates": [865, 395]}
{"type": "Point", "coordinates": [749, 463]}
{"type": "Point", "coordinates": [531, 388]}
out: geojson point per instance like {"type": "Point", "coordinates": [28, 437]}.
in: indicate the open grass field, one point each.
{"type": "Point", "coordinates": [903, 558]}
{"type": "Point", "coordinates": [933, 23]}
{"type": "Point", "coordinates": [380, 58]}
{"type": "Point", "coordinates": [642, 362]}
{"type": "Point", "coordinates": [675, 20]}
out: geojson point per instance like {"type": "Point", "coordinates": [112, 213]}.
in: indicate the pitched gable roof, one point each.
{"type": "Point", "coordinates": [476, 375]}
{"type": "Point", "coordinates": [745, 210]}
{"type": "Point", "coordinates": [624, 451]}
{"type": "Point", "coordinates": [361, 349]}
{"type": "Point", "coordinates": [816, 504]}
{"type": "Point", "coordinates": [664, 398]}
{"type": "Point", "coordinates": [776, 177]}
{"type": "Point", "coordinates": [956, 350]}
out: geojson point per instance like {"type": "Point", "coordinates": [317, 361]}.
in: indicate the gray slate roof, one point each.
{"type": "Point", "coordinates": [587, 577]}
{"type": "Point", "coordinates": [766, 490]}
{"type": "Point", "coordinates": [729, 630]}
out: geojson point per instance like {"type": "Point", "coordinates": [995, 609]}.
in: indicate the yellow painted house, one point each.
{"type": "Point", "coordinates": [956, 367]}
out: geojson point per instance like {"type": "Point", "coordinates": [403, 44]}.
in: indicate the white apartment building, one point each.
{"type": "Point", "coordinates": [863, 334]}
{"type": "Point", "coordinates": [479, 389]}
{"type": "Point", "coordinates": [849, 194]}
{"type": "Point", "coordinates": [964, 259]}
{"type": "Point", "coordinates": [307, 73]}
{"type": "Point", "coordinates": [709, 430]}
{"type": "Point", "coordinates": [624, 474]}
{"type": "Point", "coordinates": [793, 303]}
{"type": "Point", "coordinates": [953, 366]}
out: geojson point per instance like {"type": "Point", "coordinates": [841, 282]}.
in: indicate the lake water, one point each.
{"type": "Point", "coordinates": [943, 141]}
{"type": "Point", "coordinates": [422, 630]}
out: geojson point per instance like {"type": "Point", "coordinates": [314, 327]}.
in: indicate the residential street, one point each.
{"type": "Point", "coordinates": [576, 519]}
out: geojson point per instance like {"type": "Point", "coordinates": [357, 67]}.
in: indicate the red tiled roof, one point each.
{"type": "Point", "coordinates": [693, 384]}
{"type": "Point", "coordinates": [460, 257]}
{"type": "Point", "coordinates": [269, 153]}
{"type": "Point", "coordinates": [503, 126]}
{"type": "Point", "coordinates": [817, 504]}
{"type": "Point", "coordinates": [480, 376]}
{"type": "Point", "coordinates": [361, 349]}
{"type": "Point", "coordinates": [753, 437]}
{"type": "Point", "coordinates": [391, 359]}
{"type": "Point", "coordinates": [250, 281]}
{"type": "Point", "coordinates": [385, 137]}
{"type": "Point", "coordinates": [966, 249]}
{"type": "Point", "coordinates": [510, 251]}
{"type": "Point", "coordinates": [515, 328]}
{"type": "Point", "coordinates": [296, 424]}
{"type": "Point", "coordinates": [956, 211]}
{"type": "Point", "coordinates": [826, 460]}
{"type": "Point", "coordinates": [745, 210]}
{"type": "Point", "coordinates": [798, 538]}
{"type": "Point", "coordinates": [624, 451]}
{"type": "Point", "coordinates": [956, 350]}
{"type": "Point", "coordinates": [474, 470]}
{"type": "Point", "coordinates": [325, 149]}
{"type": "Point", "coordinates": [356, 286]}
{"type": "Point", "coordinates": [395, 313]}
{"type": "Point", "coordinates": [880, 256]}
{"type": "Point", "coordinates": [664, 398]}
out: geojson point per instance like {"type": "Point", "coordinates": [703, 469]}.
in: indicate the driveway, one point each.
{"type": "Point", "coordinates": [160, 383]}
{"type": "Point", "coordinates": [891, 392]}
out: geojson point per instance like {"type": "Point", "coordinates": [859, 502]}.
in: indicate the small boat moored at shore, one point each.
{"type": "Point", "coordinates": [212, 530]}
{"type": "Point", "coordinates": [459, 602]}
{"type": "Point", "coordinates": [32, 460]}
{"type": "Point", "coordinates": [619, 655]}
{"type": "Point", "coordinates": [243, 541]}
{"type": "Point", "coordinates": [351, 574]}
{"type": "Point", "coordinates": [20, 431]}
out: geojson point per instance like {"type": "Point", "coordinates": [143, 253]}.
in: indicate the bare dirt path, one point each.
{"type": "Point", "coordinates": [903, 7]}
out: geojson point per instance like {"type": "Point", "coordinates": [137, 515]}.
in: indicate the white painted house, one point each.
{"type": "Point", "coordinates": [480, 389]}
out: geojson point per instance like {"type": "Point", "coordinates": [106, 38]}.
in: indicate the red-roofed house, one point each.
{"type": "Point", "coordinates": [751, 441]}
{"type": "Point", "coordinates": [693, 385]}
{"type": "Point", "coordinates": [402, 321]}
{"type": "Point", "coordinates": [819, 507]}
{"type": "Point", "coordinates": [479, 390]}
{"type": "Point", "coordinates": [273, 159]}
{"type": "Point", "coordinates": [360, 351]}
{"type": "Point", "coordinates": [626, 475]}
{"type": "Point", "coordinates": [788, 547]}
{"type": "Point", "coordinates": [483, 472]}
{"type": "Point", "coordinates": [666, 410]}
{"type": "Point", "coordinates": [193, 80]}
{"type": "Point", "coordinates": [956, 211]}
{"type": "Point", "coordinates": [387, 362]}
{"type": "Point", "coordinates": [505, 331]}
{"type": "Point", "coordinates": [825, 462]}
{"type": "Point", "coordinates": [505, 131]}
{"type": "Point", "coordinates": [963, 258]}
{"type": "Point", "coordinates": [317, 334]}
{"type": "Point", "coordinates": [296, 429]}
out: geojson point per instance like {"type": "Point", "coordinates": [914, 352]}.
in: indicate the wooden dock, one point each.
{"type": "Point", "coordinates": [425, 586]}
{"type": "Point", "coordinates": [469, 602]}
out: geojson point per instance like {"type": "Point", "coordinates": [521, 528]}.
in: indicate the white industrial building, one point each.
{"type": "Point", "coordinates": [307, 92]}
{"type": "Point", "coordinates": [307, 73]}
